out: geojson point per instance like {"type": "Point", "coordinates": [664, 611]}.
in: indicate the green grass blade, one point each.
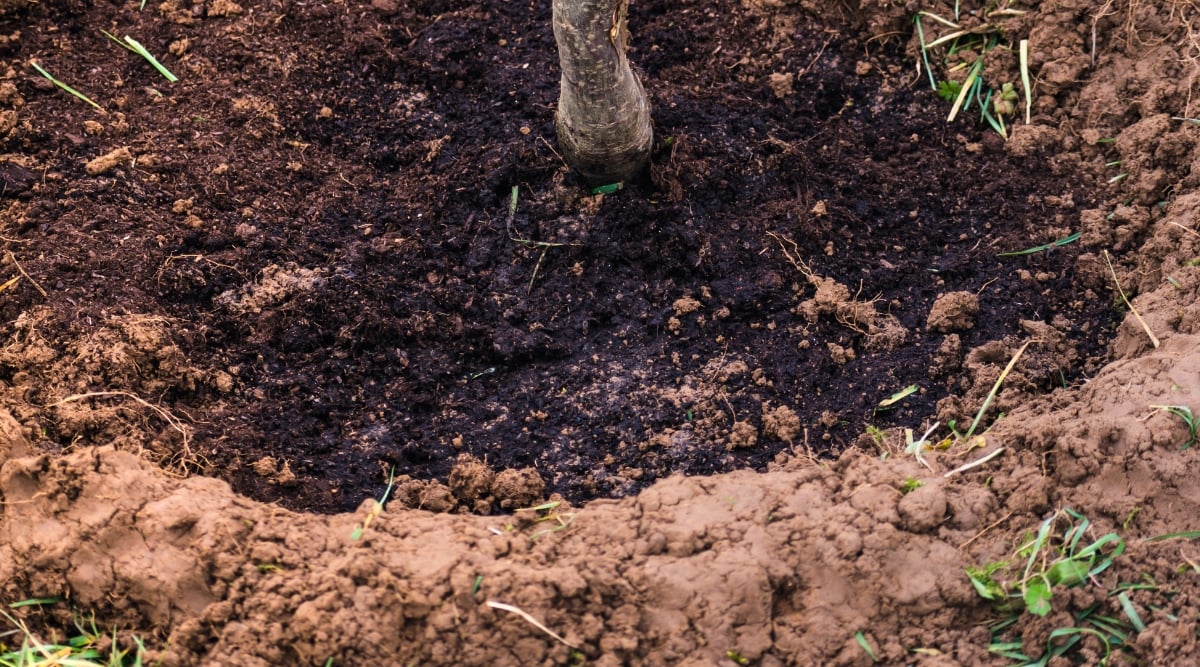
{"type": "Point", "coordinates": [976, 92]}
{"type": "Point", "coordinates": [1184, 413]}
{"type": "Point", "coordinates": [925, 51]}
{"type": "Point", "coordinates": [1074, 635]}
{"type": "Point", "coordinates": [607, 189]}
{"type": "Point", "coordinates": [541, 508]}
{"type": "Point", "coordinates": [1038, 543]}
{"type": "Point", "coordinates": [1003, 624]}
{"type": "Point", "coordinates": [1112, 627]}
{"type": "Point", "coordinates": [133, 46]}
{"type": "Point", "coordinates": [996, 122]}
{"type": "Point", "coordinates": [1045, 246]}
{"type": "Point", "coordinates": [983, 108]}
{"type": "Point", "coordinates": [118, 42]}
{"type": "Point", "coordinates": [141, 51]}
{"type": "Point", "coordinates": [32, 602]}
{"type": "Point", "coordinates": [1010, 650]}
{"type": "Point", "coordinates": [1077, 530]}
{"type": "Point", "coordinates": [1130, 612]}
{"type": "Point", "coordinates": [63, 86]}
{"type": "Point", "coordinates": [866, 645]}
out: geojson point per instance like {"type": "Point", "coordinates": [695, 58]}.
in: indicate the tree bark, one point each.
{"type": "Point", "coordinates": [603, 118]}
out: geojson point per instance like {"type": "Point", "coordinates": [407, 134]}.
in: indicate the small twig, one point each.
{"type": "Point", "coordinates": [1189, 561]}
{"type": "Point", "coordinates": [1186, 229]}
{"type": "Point", "coordinates": [544, 245]}
{"type": "Point", "coordinates": [13, 259]}
{"type": "Point", "coordinates": [531, 620]}
{"type": "Point", "coordinates": [536, 267]}
{"type": "Point", "coordinates": [1117, 281]}
{"type": "Point", "coordinates": [556, 154]}
{"type": "Point", "coordinates": [981, 533]}
{"type": "Point", "coordinates": [977, 462]}
{"type": "Point", "coordinates": [815, 58]}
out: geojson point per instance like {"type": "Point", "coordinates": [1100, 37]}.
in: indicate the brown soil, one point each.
{"type": "Point", "coordinates": [343, 245]}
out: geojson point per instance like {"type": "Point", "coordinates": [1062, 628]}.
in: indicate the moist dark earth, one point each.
{"type": "Point", "coordinates": [363, 253]}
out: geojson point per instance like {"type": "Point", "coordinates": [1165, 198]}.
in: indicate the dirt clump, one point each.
{"type": "Point", "coordinates": [423, 494]}
{"type": "Point", "coordinates": [519, 487]}
{"type": "Point", "coordinates": [471, 482]}
{"type": "Point", "coordinates": [742, 434]}
{"type": "Point", "coordinates": [275, 471]}
{"type": "Point", "coordinates": [781, 422]}
{"type": "Point", "coordinates": [953, 311]}
{"type": "Point", "coordinates": [109, 161]}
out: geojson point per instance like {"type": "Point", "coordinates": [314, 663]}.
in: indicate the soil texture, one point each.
{"type": "Point", "coordinates": [341, 255]}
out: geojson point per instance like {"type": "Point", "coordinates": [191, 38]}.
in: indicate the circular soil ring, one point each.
{"type": "Point", "coordinates": [339, 273]}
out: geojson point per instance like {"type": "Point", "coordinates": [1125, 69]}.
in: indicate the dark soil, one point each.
{"type": "Point", "coordinates": [317, 218]}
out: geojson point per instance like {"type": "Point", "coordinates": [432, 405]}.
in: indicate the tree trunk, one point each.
{"type": "Point", "coordinates": [603, 119]}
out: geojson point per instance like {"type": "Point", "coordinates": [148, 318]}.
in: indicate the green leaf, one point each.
{"type": "Point", "coordinates": [1037, 597]}
{"type": "Point", "coordinates": [1068, 572]}
{"type": "Point", "coordinates": [949, 90]}
{"type": "Point", "coordinates": [1130, 612]}
{"type": "Point", "coordinates": [986, 587]}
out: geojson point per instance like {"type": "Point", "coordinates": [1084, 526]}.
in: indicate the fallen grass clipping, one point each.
{"type": "Point", "coordinates": [1125, 300]}
{"type": "Point", "coordinates": [528, 618]}
{"type": "Point", "coordinates": [49, 77]}
{"type": "Point", "coordinates": [376, 508]}
{"type": "Point", "coordinates": [130, 44]}
{"type": "Point", "coordinates": [1045, 246]}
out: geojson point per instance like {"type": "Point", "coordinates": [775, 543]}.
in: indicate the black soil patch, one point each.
{"type": "Point", "coordinates": [321, 208]}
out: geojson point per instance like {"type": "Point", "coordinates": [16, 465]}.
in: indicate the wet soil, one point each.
{"type": "Point", "coordinates": [343, 244]}
{"type": "Point", "coordinates": [320, 218]}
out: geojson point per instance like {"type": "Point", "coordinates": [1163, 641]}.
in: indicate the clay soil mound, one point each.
{"type": "Point", "coordinates": [679, 423]}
